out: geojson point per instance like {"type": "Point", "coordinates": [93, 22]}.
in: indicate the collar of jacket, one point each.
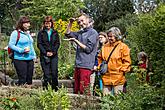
{"type": "Point", "coordinates": [108, 44]}
{"type": "Point", "coordinates": [84, 30]}
{"type": "Point", "coordinates": [53, 31]}
{"type": "Point", "coordinates": [26, 33]}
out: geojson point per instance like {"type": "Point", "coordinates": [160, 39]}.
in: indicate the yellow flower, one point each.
{"type": "Point", "coordinates": [61, 26]}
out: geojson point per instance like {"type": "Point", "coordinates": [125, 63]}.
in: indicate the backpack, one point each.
{"type": "Point", "coordinates": [10, 51]}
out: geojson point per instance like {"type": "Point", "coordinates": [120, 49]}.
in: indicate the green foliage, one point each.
{"type": "Point", "coordinates": [107, 10]}
{"type": "Point", "coordinates": [35, 99]}
{"type": "Point", "coordinates": [123, 22]}
{"type": "Point", "coordinates": [66, 56]}
{"type": "Point", "coordinates": [58, 9]}
{"type": "Point", "coordinates": [66, 51]}
{"type": "Point", "coordinates": [9, 103]}
{"type": "Point", "coordinates": [140, 74]}
{"type": "Point", "coordinates": [51, 100]}
{"type": "Point", "coordinates": [3, 53]}
{"type": "Point", "coordinates": [8, 15]}
{"type": "Point", "coordinates": [30, 101]}
{"type": "Point", "coordinates": [65, 71]}
{"type": "Point", "coordinates": [149, 35]}
{"type": "Point", "coordinates": [138, 97]}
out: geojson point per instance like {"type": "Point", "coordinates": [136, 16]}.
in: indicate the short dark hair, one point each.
{"type": "Point", "coordinates": [23, 19]}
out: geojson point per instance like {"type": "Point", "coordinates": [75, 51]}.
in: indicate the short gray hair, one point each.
{"type": "Point", "coordinates": [116, 32]}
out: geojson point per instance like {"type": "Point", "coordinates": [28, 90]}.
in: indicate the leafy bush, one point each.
{"type": "Point", "coordinates": [30, 101]}
{"type": "Point", "coordinates": [65, 71]}
{"type": "Point", "coordinates": [51, 100]}
{"type": "Point", "coordinates": [34, 99]}
{"type": "Point", "coordinates": [149, 35]}
{"type": "Point", "coordinates": [123, 22]}
{"type": "Point", "coordinates": [9, 103]}
{"type": "Point", "coordinates": [138, 97]}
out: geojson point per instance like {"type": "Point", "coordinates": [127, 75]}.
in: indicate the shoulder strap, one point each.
{"type": "Point", "coordinates": [111, 53]}
{"type": "Point", "coordinates": [17, 37]}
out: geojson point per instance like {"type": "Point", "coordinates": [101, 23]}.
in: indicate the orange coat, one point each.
{"type": "Point", "coordinates": [118, 64]}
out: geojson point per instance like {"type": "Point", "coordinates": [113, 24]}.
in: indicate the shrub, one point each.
{"type": "Point", "coordinates": [9, 103]}
{"type": "Point", "coordinates": [51, 100]}
{"type": "Point", "coordinates": [65, 71]}
{"type": "Point", "coordinates": [138, 97]}
{"type": "Point", "coordinates": [149, 35]}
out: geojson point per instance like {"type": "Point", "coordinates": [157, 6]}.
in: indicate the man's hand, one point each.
{"type": "Point", "coordinates": [70, 25]}
{"type": "Point", "coordinates": [72, 39]}
{"type": "Point", "coordinates": [72, 20]}
{"type": "Point", "coordinates": [95, 68]}
{"type": "Point", "coordinates": [77, 42]}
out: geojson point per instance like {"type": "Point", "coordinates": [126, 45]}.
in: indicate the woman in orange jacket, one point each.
{"type": "Point", "coordinates": [118, 64]}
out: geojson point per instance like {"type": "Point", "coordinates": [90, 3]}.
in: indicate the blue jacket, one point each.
{"type": "Point", "coordinates": [24, 41]}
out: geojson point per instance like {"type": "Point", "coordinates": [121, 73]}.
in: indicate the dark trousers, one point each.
{"type": "Point", "coordinates": [24, 69]}
{"type": "Point", "coordinates": [50, 72]}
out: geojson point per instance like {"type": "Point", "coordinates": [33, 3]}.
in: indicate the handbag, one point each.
{"type": "Point", "coordinates": [104, 64]}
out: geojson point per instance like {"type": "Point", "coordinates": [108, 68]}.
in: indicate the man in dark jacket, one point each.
{"type": "Point", "coordinates": [86, 40]}
{"type": "Point", "coordinates": [48, 44]}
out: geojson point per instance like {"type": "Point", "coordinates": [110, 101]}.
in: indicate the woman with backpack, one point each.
{"type": "Point", "coordinates": [21, 43]}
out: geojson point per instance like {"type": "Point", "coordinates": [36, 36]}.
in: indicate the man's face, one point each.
{"type": "Point", "coordinates": [48, 25]}
{"type": "Point", "coordinates": [83, 21]}
{"type": "Point", "coordinates": [111, 38]}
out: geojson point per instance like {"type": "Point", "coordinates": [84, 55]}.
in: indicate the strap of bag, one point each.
{"type": "Point", "coordinates": [111, 53]}
{"type": "Point", "coordinates": [17, 37]}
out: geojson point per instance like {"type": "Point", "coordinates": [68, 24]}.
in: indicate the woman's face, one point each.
{"type": "Point", "coordinates": [111, 38]}
{"type": "Point", "coordinates": [48, 25]}
{"type": "Point", "coordinates": [26, 26]}
{"type": "Point", "coordinates": [102, 39]}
